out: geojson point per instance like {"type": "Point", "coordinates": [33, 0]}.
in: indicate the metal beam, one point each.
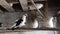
{"type": "Point", "coordinates": [4, 4]}
{"type": "Point", "coordinates": [37, 8]}
{"type": "Point", "coordinates": [24, 4]}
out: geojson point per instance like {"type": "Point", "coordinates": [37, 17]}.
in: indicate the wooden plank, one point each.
{"type": "Point", "coordinates": [24, 4]}
{"type": "Point", "coordinates": [4, 4]}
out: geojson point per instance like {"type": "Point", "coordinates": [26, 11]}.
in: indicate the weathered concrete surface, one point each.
{"type": "Point", "coordinates": [31, 32]}
{"type": "Point", "coordinates": [8, 19]}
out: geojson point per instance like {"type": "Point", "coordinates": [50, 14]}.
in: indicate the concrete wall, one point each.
{"type": "Point", "coordinates": [8, 19]}
{"type": "Point", "coordinates": [58, 21]}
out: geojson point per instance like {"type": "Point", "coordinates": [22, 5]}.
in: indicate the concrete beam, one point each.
{"type": "Point", "coordinates": [39, 6]}
{"type": "Point", "coordinates": [4, 4]}
{"type": "Point", "coordinates": [24, 4]}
